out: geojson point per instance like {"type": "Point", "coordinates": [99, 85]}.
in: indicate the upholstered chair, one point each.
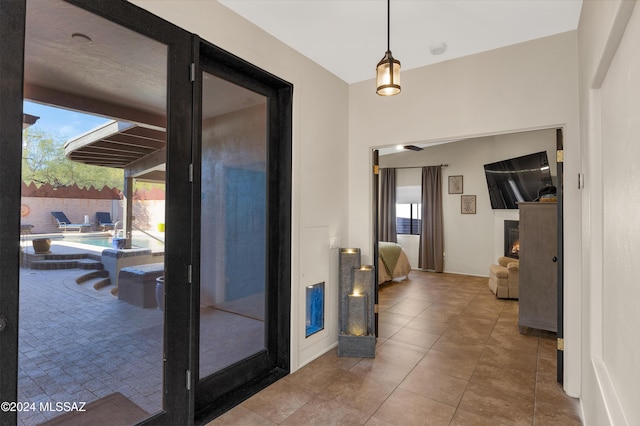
{"type": "Point", "coordinates": [504, 278]}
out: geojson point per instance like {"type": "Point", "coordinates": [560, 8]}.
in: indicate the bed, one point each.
{"type": "Point", "coordinates": [392, 262]}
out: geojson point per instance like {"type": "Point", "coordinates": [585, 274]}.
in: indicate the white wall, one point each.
{"type": "Point", "coordinates": [472, 242]}
{"type": "Point", "coordinates": [320, 140]}
{"type": "Point", "coordinates": [527, 86]}
{"type": "Point", "coordinates": [609, 86]}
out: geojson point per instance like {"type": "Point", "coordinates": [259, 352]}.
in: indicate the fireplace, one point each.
{"type": "Point", "coordinates": [511, 239]}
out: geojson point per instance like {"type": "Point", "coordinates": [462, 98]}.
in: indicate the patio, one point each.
{"type": "Point", "coordinates": [79, 344]}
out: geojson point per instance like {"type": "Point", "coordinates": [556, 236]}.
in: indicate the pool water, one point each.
{"type": "Point", "coordinates": [136, 242]}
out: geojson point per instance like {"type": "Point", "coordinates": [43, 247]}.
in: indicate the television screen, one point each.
{"type": "Point", "coordinates": [517, 179]}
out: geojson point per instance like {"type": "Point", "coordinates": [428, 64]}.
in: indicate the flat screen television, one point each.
{"type": "Point", "coordinates": [517, 179]}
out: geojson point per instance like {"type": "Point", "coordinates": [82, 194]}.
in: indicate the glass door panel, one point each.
{"type": "Point", "coordinates": [233, 225]}
{"type": "Point", "coordinates": [91, 334]}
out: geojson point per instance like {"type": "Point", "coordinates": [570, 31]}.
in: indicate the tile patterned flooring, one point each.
{"type": "Point", "coordinates": [449, 353]}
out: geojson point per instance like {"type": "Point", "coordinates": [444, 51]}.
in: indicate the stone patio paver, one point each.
{"type": "Point", "coordinates": [77, 344]}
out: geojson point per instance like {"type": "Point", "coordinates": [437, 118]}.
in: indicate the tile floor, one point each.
{"type": "Point", "coordinates": [449, 353]}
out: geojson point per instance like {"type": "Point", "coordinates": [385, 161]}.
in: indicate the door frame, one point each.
{"type": "Point", "coordinates": [560, 255]}
{"type": "Point", "coordinates": [12, 31]}
{"type": "Point", "coordinates": [375, 211]}
{"type": "Point", "coordinates": [217, 393]}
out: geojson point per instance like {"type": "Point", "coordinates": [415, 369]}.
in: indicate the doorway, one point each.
{"type": "Point", "coordinates": [474, 241]}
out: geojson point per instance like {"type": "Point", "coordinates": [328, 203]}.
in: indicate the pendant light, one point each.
{"type": "Point", "coordinates": [388, 69]}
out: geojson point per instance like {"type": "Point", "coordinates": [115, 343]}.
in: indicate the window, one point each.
{"type": "Point", "coordinates": [408, 218]}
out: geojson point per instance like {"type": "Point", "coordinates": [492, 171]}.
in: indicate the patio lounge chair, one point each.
{"type": "Point", "coordinates": [65, 224]}
{"type": "Point", "coordinates": [103, 219]}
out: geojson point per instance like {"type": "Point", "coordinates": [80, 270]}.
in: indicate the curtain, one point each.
{"type": "Point", "coordinates": [431, 240]}
{"type": "Point", "coordinates": [387, 209]}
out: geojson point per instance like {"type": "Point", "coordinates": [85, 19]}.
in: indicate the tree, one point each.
{"type": "Point", "coordinates": [43, 161]}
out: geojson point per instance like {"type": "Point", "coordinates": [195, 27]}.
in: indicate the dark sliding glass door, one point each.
{"type": "Point", "coordinates": [222, 149]}
{"type": "Point", "coordinates": [243, 184]}
{"type": "Point", "coordinates": [77, 342]}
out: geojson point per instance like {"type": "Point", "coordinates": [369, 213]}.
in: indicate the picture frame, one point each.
{"type": "Point", "coordinates": [468, 204]}
{"type": "Point", "coordinates": [455, 184]}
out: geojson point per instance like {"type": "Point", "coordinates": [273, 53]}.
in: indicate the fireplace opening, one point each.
{"type": "Point", "coordinates": [511, 239]}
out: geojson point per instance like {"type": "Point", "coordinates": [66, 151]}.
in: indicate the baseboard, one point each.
{"type": "Point", "coordinates": [607, 391]}
{"type": "Point", "coordinates": [315, 356]}
{"type": "Point", "coordinates": [467, 273]}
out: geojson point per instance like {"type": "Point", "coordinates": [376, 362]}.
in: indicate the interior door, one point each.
{"type": "Point", "coordinates": [242, 178]}
{"type": "Point", "coordinates": [95, 370]}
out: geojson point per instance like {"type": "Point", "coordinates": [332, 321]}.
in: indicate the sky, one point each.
{"type": "Point", "coordinates": [60, 122]}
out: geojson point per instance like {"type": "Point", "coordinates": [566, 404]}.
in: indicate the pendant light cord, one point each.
{"type": "Point", "coordinates": [388, 25]}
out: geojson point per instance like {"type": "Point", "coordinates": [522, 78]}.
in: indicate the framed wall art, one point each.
{"type": "Point", "coordinates": [455, 184]}
{"type": "Point", "coordinates": [468, 204]}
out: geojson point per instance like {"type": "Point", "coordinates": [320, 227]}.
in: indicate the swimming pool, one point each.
{"type": "Point", "coordinates": [138, 241]}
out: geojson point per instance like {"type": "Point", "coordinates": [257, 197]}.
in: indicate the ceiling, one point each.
{"type": "Point", "coordinates": [97, 70]}
{"type": "Point", "coordinates": [349, 37]}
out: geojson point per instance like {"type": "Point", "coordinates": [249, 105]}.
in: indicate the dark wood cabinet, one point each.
{"type": "Point", "coordinates": [538, 268]}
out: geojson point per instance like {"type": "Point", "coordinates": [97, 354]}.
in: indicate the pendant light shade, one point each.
{"type": "Point", "coordinates": [388, 69]}
{"type": "Point", "coordinates": [388, 75]}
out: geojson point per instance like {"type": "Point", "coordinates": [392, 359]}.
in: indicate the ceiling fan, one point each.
{"type": "Point", "coordinates": [412, 147]}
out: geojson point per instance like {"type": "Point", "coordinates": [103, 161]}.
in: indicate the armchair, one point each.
{"type": "Point", "coordinates": [504, 278]}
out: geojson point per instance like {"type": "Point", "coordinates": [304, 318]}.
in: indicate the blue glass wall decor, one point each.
{"type": "Point", "coordinates": [315, 309]}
